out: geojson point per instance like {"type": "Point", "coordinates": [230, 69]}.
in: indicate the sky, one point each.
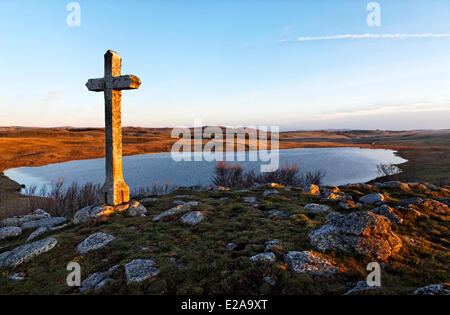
{"type": "Point", "coordinates": [289, 63]}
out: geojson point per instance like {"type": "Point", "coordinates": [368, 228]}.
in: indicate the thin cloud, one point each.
{"type": "Point", "coordinates": [369, 35]}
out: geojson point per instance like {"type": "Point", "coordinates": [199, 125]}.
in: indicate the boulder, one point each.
{"type": "Point", "coordinates": [140, 269]}
{"type": "Point", "coordinates": [373, 198]}
{"type": "Point", "coordinates": [330, 188]}
{"type": "Point", "coordinates": [359, 232]}
{"type": "Point", "coordinates": [272, 244]}
{"type": "Point", "coordinates": [37, 233]}
{"type": "Point", "coordinates": [136, 209]}
{"type": "Point", "coordinates": [49, 222]}
{"type": "Point", "coordinates": [94, 241]}
{"type": "Point", "coordinates": [82, 216]}
{"type": "Point", "coordinates": [172, 211]}
{"type": "Point", "coordinates": [311, 189]}
{"type": "Point", "coordinates": [9, 231]}
{"type": "Point", "coordinates": [270, 192]}
{"type": "Point", "coordinates": [18, 221]}
{"type": "Point", "coordinates": [26, 252]}
{"type": "Point", "coordinates": [192, 218]}
{"type": "Point", "coordinates": [349, 205]}
{"type": "Point", "coordinates": [434, 206]}
{"type": "Point", "coordinates": [396, 185]}
{"type": "Point", "coordinates": [314, 207]}
{"type": "Point", "coordinates": [389, 213]}
{"type": "Point", "coordinates": [417, 186]}
{"type": "Point", "coordinates": [308, 262]}
{"type": "Point", "coordinates": [93, 280]}
{"type": "Point", "coordinates": [231, 246]}
{"type": "Point", "coordinates": [270, 257]}
{"type": "Point", "coordinates": [361, 286]}
{"type": "Point", "coordinates": [410, 201]}
{"type": "Point", "coordinates": [434, 289]}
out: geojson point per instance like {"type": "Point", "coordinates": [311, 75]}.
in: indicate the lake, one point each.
{"type": "Point", "coordinates": [342, 166]}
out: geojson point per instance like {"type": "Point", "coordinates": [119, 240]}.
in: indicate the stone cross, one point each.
{"type": "Point", "coordinates": [115, 191]}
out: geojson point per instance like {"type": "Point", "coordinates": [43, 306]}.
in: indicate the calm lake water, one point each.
{"type": "Point", "coordinates": [342, 166]}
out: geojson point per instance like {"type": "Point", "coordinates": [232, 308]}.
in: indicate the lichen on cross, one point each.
{"type": "Point", "coordinates": [115, 191]}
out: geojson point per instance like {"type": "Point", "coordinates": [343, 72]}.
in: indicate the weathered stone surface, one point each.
{"type": "Point", "coordinates": [311, 189]}
{"type": "Point", "coordinates": [140, 269]}
{"type": "Point", "coordinates": [10, 231]}
{"type": "Point", "coordinates": [17, 276]}
{"type": "Point", "coordinates": [417, 186]}
{"type": "Point", "coordinates": [136, 209]}
{"type": "Point", "coordinates": [37, 233]}
{"type": "Point", "coordinates": [434, 206]}
{"type": "Point", "coordinates": [269, 245]}
{"type": "Point", "coordinates": [26, 252]}
{"type": "Point", "coordinates": [410, 201]}
{"type": "Point", "coordinates": [314, 207]}
{"type": "Point", "coordinates": [192, 218]}
{"type": "Point", "coordinates": [389, 213]}
{"type": "Point", "coordinates": [308, 262]}
{"type": "Point", "coordinates": [396, 185]}
{"type": "Point", "coordinates": [349, 204]}
{"type": "Point", "coordinates": [434, 289]}
{"type": "Point", "coordinates": [358, 232]}
{"type": "Point", "coordinates": [93, 280]}
{"type": "Point", "coordinates": [361, 286]}
{"type": "Point", "coordinates": [176, 210]}
{"type": "Point", "coordinates": [373, 198]}
{"type": "Point", "coordinates": [82, 216]}
{"type": "Point", "coordinates": [270, 192]}
{"type": "Point", "coordinates": [18, 221]}
{"type": "Point", "coordinates": [95, 241]}
{"type": "Point", "coordinates": [270, 257]}
{"type": "Point", "coordinates": [49, 222]}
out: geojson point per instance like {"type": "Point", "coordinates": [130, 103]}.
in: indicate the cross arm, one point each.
{"type": "Point", "coordinates": [124, 82]}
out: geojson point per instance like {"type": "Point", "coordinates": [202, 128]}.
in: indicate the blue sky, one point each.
{"type": "Point", "coordinates": [230, 62]}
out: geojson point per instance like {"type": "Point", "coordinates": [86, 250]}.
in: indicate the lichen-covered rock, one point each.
{"type": "Point", "coordinates": [48, 222]}
{"type": "Point", "coordinates": [360, 232]}
{"type": "Point", "coordinates": [410, 201]}
{"type": "Point", "coordinates": [192, 218]}
{"type": "Point", "coordinates": [26, 252]}
{"type": "Point", "coordinates": [434, 289]}
{"type": "Point", "coordinates": [396, 185]}
{"type": "Point", "coordinates": [136, 209]}
{"type": "Point", "coordinates": [389, 213]}
{"type": "Point", "coordinates": [434, 206]}
{"type": "Point", "coordinates": [311, 189]}
{"type": "Point", "coordinates": [82, 216]}
{"type": "Point", "coordinates": [314, 207]}
{"type": "Point", "coordinates": [37, 233]}
{"type": "Point", "coordinates": [93, 280]}
{"type": "Point", "coordinates": [270, 257]}
{"type": "Point", "coordinates": [18, 221]}
{"type": "Point", "coordinates": [349, 204]}
{"type": "Point", "coordinates": [361, 286]}
{"type": "Point", "coordinates": [176, 210]}
{"type": "Point", "coordinates": [372, 198]}
{"type": "Point", "coordinates": [94, 241]}
{"type": "Point", "coordinates": [308, 262]}
{"type": "Point", "coordinates": [9, 231]}
{"type": "Point", "coordinates": [140, 269]}
{"type": "Point", "coordinates": [269, 245]}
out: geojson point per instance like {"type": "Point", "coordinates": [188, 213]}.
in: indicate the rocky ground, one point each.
{"type": "Point", "coordinates": [265, 240]}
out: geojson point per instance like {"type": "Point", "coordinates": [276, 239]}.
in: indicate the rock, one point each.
{"type": "Point", "coordinates": [136, 209]}
{"type": "Point", "coordinates": [396, 185]}
{"type": "Point", "coordinates": [270, 257]}
{"type": "Point", "coordinates": [17, 276]}
{"type": "Point", "coordinates": [179, 202]}
{"type": "Point", "coordinates": [49, 222]}
{"type": "Point", "coordinates": [432, 187]}
{"type": "Point", "coordinates": [308, 262]}
{"type": "Point", "coordinates": [418, 186]}
{"type": "Point", "coordinates": [9, 231]}
{"type": "Point", "coordinates": [94, 241]}
{"type": "Point", "coordinates": [93, 280]}
{"type": "Point", "coordinates": [349, 205]}
{"type": "Point", "coordinates": [410, 201]}
{"type": "Point", "coordinates": [361, 286]}
{"type": "Point", "coordinates": [18, 221]}
{"type": "Point", "coordinates": [102, 210]}
{"type": "Point", "coordinates": [272, 244]}
{"type": "Point", "coordinates": [147, 200]}
{"type": "Point", "coordinates": [330, 188]}
{"type": "Point", "coordinates": [224, 198]}
{"type": "Point", "coordinates": [445, 201]}
{"type": "Point", "coordinates": [250, 199]}
{"type": "Point", "coordinates": [311, 189]}
{"type": "Point", "coordinates": [434, 289]}
{"type": "Point", "coordinates": [231, 246]}
{"type": "Point", "coordinates": [26, 252]}
{"type": "Point", "coordinates": [389, 213]}
{"type": "Point", "coordinates": [314, 207]}
{"type": "Point", "coordinates": [82, 216]}
{"type": "Point", "coordinates": [37, 233]}
{"type": "Point", "coordinates": [102, 284]}
{"type": "Point", "coordinates": [140, 269]}
{"type": "Point", "coordinates": [176, 210]}
{"type": "Point", "coordinates": [373, 198]}
{"type": "Point", "coordinates": [277, 213]}
{"type": "Point", "coordinates": [192, 218]}
{"type": "Point", "coordinates": [242, 191]}
{"type": "Point", "coordinates": [177, 262]}
{"type": "Point", "coordinates": [359, 232]}
{"type": "Point", "coordinates": [409, 211]}
{"type": "Point", "coordinates": [269, 280]}
{"type": "Point", "coordinates": [186, 197]}
{"type": "Point", "coordinates": [270, 192]}
{"type": "Point", "coordinates": [330, 196]}
{"type": "Point", "coordinates": [434, 206]}
{"type": "Point", "coordinates": [359, 187]}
